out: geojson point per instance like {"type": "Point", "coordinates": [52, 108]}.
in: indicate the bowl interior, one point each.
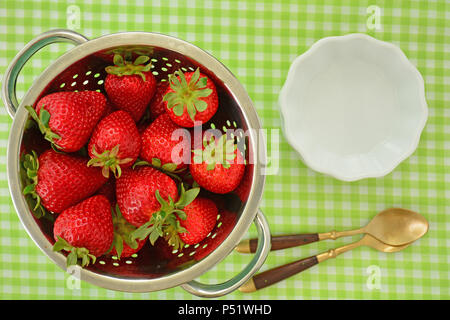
{"type": "Point", "coordinates": [159, 260]}
{"type": "Point", "coordinates": [353, 106]}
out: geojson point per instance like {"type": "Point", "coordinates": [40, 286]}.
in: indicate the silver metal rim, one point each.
{"type": "Point", "coordinates": [203, 58]}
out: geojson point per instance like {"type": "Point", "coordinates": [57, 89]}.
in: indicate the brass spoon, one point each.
{"type": "Point", "coordinates": [393, 226]}
{"type": "Point", "coordinates": [277, 274]}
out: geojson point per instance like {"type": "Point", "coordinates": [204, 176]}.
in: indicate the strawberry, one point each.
{"type": "Point", "coordinates": [199, 219]}
{"type": "Point", "coordinates": [115, 143]}
{"type": "Point", "coordinates": [58, 181]}
{"type": "Point", "coordinates": [123, 245]}
{"type": "Point", "coordinates": [157, 106]}
{"type": "Point", "coordinates": [191, 97]}
{"type": "Point", "coordinates": [136, 193]}
{"type": "Point", "coordinates": [130, 86]}
{"type": "Point", "coordinates": [67, 119]}
{"type": "Point", "coordinates": [218, 165]}
{"type": "Point", "coordinates": [166, 142]}
{"type": "Point", "coordinates": [149, 200]}
{"type": "Point", "coordinates": [85, 230]}
{"type": "Point", "coordinates": [225, 224]}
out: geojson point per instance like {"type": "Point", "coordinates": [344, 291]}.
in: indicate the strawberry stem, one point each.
{"type": "Point", "coordinates": [122, 232]}
{"type": "Point", "coordinates": [164, 223]}
{"type": "Point", "coordinates": [215, 152]}
{"type": "Point", "coordinates": [109, 161]}
{"type": "Point", "coordinates": [126, 68]}
{"type": "Point", "coordinates": [43, 123]}
{"type": "Point", "coordinates": [187, 95]}
{"type": "Point", "coordinates": [75, 253]}
{"type": "Point", "coordinates": [168, 168]}
{"type": "Point", "coordinates": [30, 165]}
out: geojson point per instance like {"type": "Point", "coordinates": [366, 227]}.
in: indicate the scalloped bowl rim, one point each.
{"type": "Point", "coordinates": [300, 149]}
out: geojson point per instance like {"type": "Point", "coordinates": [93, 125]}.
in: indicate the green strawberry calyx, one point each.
{"type": "Point", "coordinates": [75, 253]}
{"type": "Point", "coordinates": [127, 68]}
{"type": "Point", "coordinates": [109, 161]}
{"type": "Point", "coordinates": [30, 167]}
{"type": "Point", "coordinates": [42, 121]}
{"type": "Point", "coordinates": [221, 151]}
{"type": "Point", "coordinates": [168, 168]}
{"type": "Point", "coordinates": [165, 222]}
{"type": "Point", "coordinates": [122, 232]}
{"type": "Point", "coordinates": [187, 94]}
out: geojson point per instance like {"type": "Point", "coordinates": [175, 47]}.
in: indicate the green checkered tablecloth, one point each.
{"type": "Point", "coordinates": [258, 40]}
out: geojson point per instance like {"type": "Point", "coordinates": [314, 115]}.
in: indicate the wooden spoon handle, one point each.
{"type": "Point", "coordinates": [269, 277]}
{"type": "Point", "coordinates": [279, 242]}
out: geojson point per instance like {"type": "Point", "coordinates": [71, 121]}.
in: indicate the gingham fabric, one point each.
{"type": "Point", "coordinates": [257, 41]}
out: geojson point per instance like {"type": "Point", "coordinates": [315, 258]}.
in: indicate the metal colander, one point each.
{"type": "Point", "coordinates": [152, 268]}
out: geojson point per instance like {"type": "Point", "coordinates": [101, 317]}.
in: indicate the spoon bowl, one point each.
{"type": "Point", "coordinates": [397, 226]}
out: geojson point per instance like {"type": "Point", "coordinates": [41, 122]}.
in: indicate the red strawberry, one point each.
{"type": "Point", "coordinates": [218, 166]}
{"type": "Point", "coordinates": [149, 200]}
{"type": "Point", "coordinates": [123, 245]}
{"type": "Point", "coordinates": [58, 181]}
{"type": "Point", "coordinates": [191, 96]}
{"type": "Point", "coordinates": [130, 86]}
{"type": "Point", "coordinates": [167, 142]}
{"type": "Point", "coordinates": [200, 219]}
{"type": "Point", "coordinates": [67, 119]}
{"type": "Point", "coordinates": [224, 226]}
{"type": "Point", "coordinates": [157, 106]}
{"type": "Point", "coordinates": [115, 143]}
{"type": "Point", "coordinates": [85, 230]}
{"type": "Point", "coordinates": [136, 193]}
{"type": "Point", "coordinates": [98, 103]}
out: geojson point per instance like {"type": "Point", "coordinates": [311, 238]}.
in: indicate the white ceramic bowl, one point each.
{"type": "Point", "coordinates": [353, 107]}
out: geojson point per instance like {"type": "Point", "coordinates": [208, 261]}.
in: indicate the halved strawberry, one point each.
{"type": "Point", "coordinates": [191, 97]}
{"type": "Point", "coordinates": [115, 143]}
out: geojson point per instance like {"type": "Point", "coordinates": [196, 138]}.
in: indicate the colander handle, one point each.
{"type": "Point", "coordinates": [217, 290]}
{"type": "Point", "coordinates": [9, 80]}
